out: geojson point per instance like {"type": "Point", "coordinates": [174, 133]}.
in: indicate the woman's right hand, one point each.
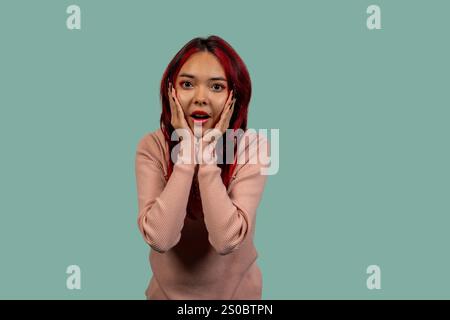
{"type": "Point", "coordinates": [182, 129]}
{"type": "Point", "coordinates": [177, 120]}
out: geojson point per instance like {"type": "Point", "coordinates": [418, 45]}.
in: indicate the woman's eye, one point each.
{"type": "Point", "coordinates": [217, 87]}
{"type": "Point", "coordinates": [186, 84]}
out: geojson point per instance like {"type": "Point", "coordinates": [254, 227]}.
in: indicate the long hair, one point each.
{"type": "Point", "coordinates": [238, 79]}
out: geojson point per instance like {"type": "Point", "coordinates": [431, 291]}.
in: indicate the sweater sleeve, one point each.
{"type": "Point", "coordinates": [230, 216]}
{"type": "Point", "coordinates": [162, 205]}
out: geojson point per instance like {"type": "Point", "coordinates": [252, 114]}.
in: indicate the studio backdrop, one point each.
{"type": "Point", "coordinates": [354, 95]}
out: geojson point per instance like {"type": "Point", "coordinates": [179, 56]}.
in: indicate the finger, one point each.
{"type": "Point", "coordinates": [230, 98]}
{"type": "Point", "coordinates": [223, 117]}
{"type": "Point", "coordinates": [173, 110]}
{"type": "Point", "coordinates": [226, 121]}
{"type": "Point", "coordinates": [232, 104]}
{"type": "Point", "coordinates": [170, 93]}
{"type": "Point", "coordinates": [229, 115]}
{"type": "Point", "coordinates": [226, 110]}
{"type": "Point", "coordinates": [176, 117]}
{"type": "Point", "coordinates": [229, 111]}
{"type": "Point", "coordinates": [179, 110]}
{"type": "Point", "coordinates": [170, 89]}
{"type": "Point", "coordinates": [173, 99]}
{"type": "Point", "coordinates": [177, 104]}
{"type": "Point", "coordinates": [228, 102]}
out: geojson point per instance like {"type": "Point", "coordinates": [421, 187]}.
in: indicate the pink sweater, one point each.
{"type": "Point", "coordinates": [201, 233]}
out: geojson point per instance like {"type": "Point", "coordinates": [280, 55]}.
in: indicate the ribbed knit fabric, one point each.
{"type": "Point", "coordinates": [201, 233]}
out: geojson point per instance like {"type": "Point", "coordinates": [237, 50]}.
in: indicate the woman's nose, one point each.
{"type": "Point", "coordinates": [200, 96]}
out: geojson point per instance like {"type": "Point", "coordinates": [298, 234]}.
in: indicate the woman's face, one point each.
{"type": "Point", "coordinates": [201, 85]}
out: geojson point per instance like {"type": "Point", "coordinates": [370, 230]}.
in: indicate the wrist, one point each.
{"type": "Point", "coordinates": [207, 155]}
{"type": "Point", "coordinates": [183, 153]}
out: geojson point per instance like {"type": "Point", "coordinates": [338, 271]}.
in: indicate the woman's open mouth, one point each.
{"type": "Point", "coordinates": [200, 116]}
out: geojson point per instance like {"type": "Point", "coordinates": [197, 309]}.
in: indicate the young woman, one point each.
{"type": "Point", "coordinates": [199, 217]}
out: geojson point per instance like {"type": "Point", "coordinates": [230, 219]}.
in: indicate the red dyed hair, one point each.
{"type": "Point", "coordinates": [238, 79]}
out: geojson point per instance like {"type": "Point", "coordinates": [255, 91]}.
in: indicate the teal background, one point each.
{"type": "Point", "coordinates": [364, 151]}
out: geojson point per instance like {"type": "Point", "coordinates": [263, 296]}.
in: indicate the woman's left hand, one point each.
{"type": "Point", "coordinates": [223, 123]}
{"type": "Point", "coordinates": [209, 140]}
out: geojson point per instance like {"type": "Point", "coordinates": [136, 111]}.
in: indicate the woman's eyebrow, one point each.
{"type": "Point", "coordinates": [187, 75]}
